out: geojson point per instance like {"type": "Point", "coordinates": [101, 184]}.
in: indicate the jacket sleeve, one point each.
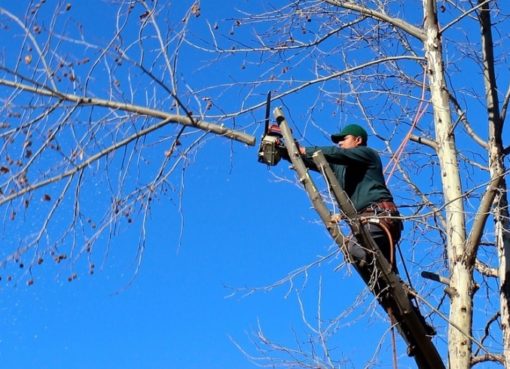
{"type": "Point", "coordinates": [358, 156]}
{"type": "Point", "coordinates": [284, 154]}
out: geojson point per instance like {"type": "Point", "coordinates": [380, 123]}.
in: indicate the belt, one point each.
{"type": "Point", "coordinates": [384, 205]}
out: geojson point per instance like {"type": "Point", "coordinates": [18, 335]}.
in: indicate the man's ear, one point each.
{"type": "Point", "coordinates": [358, 140]}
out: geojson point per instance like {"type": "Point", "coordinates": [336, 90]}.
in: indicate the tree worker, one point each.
{"type": "Point", "coordinates": [358, 169]}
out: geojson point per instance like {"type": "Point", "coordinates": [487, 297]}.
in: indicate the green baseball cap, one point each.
{"type": "Point", "coordinates": [351, 129]}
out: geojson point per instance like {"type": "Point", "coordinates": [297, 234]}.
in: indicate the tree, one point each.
{"type": "Point", "coordinates": [421, 76]}
{"type": "Point", "coordinates": [80, 118]}
{"type": "Point", "coordinates": [389, 33]}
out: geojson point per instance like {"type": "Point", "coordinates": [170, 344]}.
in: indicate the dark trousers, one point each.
{"type": "Point", "coordinates": [380, 235]}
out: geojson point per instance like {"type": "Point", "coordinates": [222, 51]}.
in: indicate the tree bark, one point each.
{"type": "Point", "coordinates": [461, 281]}
{"type": "Point", "coordinates": [497, 191]}
{"type": "Point", "coordinates": [502, 226]}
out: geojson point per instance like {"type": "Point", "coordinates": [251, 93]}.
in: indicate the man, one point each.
{"type": "Point", "coordinates": [358, 169]}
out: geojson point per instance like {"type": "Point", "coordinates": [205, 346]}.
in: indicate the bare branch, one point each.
{"type": "Point", "coordinates": [487, 357]}
{"type": "Point", "coordinates": [168, 118]}
{"type": "Point", "coordinates": [463, 15]}
{"type": "Point", "coordinates": [409, 28]}
{"type": "Point", "coordinates": [32, 38]}
{"type": "Point", "coordinates": [504, 106]}
{"type": "Point", "coordinates": [342, 73]}
{"type": "Point", "coordinates": [81, 166]}
{"type": "Point", "coordinates": [278, 47]}
{"type": "Point", "coordinates": [467, 125]}
{"type": "Point", "coordinates": [485, 269]}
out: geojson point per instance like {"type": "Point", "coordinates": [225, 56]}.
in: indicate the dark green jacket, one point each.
{"type": "Point", "coordinates": [359, 171]}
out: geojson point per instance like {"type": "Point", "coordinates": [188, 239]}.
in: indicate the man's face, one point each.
{"type": "Point", "coordinates": [350, 142]}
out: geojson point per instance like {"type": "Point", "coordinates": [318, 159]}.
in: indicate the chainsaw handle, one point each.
{"type": "Point", "coordinates": [268, 112]}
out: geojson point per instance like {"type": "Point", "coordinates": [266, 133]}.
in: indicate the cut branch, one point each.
{"type": "Point", "coordinates": [485, 269]}
{"type": "Point", "coordinates": [424, 141]}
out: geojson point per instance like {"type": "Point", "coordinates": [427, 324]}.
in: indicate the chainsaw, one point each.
{"type": "Point", "coordinates": [271, 142]}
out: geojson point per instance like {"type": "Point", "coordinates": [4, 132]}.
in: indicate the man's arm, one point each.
{"type": "Point", "coordinates": [361, 155]}
{"type": "Point", "coordinates": [307, 160]}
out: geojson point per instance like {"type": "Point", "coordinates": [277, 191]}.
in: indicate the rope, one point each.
{"type": "Point", "coordinates": [394, 246]}
{"type": "Point", "coordinates": [393, 322]}
{"type": "Point", "coordinates": [388, 235]}
{"type": "Point", "coordinates": [394, 344]}
{"type": "Point", "coordinates": [419, 114]}
{"type": "Point", "coordinates": [405, 267]}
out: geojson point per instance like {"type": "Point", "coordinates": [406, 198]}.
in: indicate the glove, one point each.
{"type": "Point", "coordinates": [282, 150]}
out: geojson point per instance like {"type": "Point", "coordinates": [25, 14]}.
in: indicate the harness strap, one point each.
{"type": "Point", "coordinates": [382, 205]}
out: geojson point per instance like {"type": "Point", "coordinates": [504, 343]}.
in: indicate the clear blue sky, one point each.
{"type": "Point", "coordinates": [189, 303]}
{"type": "Point", "coordinates": [176, 313]}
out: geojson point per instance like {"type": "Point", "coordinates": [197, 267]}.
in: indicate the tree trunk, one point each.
{"type": "Point", "coordinates": [503, 245]}
{"type": "Point", "coordinates": [497, 169]}
{"type": "Point", "coordinates": [460, 271]}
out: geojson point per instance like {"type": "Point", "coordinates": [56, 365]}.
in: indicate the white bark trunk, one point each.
{"type": "Point", "coordinates": [461, 273]}
{"type": "Point", "coordinates": [503, 245]}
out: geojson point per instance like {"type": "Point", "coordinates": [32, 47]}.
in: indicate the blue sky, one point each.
{"type": "Point", "coordinates": [201, 295]}
{"type": "Point", "coordinates": [177, 312]}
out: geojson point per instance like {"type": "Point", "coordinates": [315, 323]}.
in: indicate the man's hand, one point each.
{"type": "Point", "coordinates": [336, 218]}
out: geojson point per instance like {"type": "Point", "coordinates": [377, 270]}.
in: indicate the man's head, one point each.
{"type": "Point", "coordinates": [351, 136]}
